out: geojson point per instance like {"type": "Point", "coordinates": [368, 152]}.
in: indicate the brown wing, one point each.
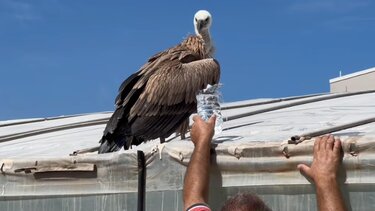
{"type": "Point", "coordinates": [175, 83]}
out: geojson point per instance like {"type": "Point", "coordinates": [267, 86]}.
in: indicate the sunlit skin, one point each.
{"type": "Point", "coordinates": [197, 174]}
{"type": "Point", "coordinates": [324, 172]}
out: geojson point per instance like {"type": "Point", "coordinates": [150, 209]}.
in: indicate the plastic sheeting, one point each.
{"type": "Point", "coordinates": [252, 154]}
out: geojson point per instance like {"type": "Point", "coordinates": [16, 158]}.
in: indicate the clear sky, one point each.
{"type": "Point", "coordinates": [61, 57]}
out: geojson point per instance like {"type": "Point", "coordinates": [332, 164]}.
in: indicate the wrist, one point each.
{"type": "Point", "coordinates": [202, 142]}
{"type": "Point", "coordinates": [202, 145]}
{"type": "Point", "coordinates": [326, 182]}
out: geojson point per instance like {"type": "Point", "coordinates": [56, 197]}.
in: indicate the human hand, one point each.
{"type": "Point", "coordinates": [326, 162]}
{"type": "Point", "coordinates": [201, 131]}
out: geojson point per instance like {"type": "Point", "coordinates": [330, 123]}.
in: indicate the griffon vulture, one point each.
{"type": "Point", "coordinates": [155, 101]}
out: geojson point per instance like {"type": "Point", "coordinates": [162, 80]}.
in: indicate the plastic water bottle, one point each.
{"type": "Point", "coordinates": [208, 103]}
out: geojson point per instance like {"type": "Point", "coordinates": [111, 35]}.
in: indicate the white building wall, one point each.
{"type": "Point", "coordinates": [359, 81]}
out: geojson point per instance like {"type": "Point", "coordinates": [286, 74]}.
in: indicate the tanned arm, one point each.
{"type": "Point", "coordinates": [324, 173]}
{"type": "Point", "coordinates": [197, 174]}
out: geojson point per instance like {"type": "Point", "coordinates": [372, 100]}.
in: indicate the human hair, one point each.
{"type": "Point", "coordinates": [245, 202]}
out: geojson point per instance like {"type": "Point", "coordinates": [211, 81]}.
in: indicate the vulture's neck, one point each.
{"type": "Point", "coordinates": [205, 34]}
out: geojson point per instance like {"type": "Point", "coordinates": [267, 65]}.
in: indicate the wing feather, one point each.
{"type": "Point", "coordinates": [176, 83]}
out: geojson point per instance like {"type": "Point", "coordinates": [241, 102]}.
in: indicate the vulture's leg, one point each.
{"type": "Point", "coordinates": [183, 129]}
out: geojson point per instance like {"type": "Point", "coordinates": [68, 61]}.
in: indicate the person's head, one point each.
{"type": "Point", "coordinates": [245, 202]}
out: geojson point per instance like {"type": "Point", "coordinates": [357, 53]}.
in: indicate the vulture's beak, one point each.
{"type": "Point", "coordinates": [199, 25]}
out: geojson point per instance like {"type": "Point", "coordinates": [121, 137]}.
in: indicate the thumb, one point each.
{"type": "Point", "coordinates": [212, 119]}
{"type": "Point", "coordinates": [305, 170]}
{"type": "Point", "coordinates": [196, 118]}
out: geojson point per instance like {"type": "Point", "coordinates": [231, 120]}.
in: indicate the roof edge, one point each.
{"type": "Point", "coordinates": [355, 74]}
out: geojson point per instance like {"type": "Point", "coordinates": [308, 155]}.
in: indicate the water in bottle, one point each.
{"type": "Point", "coordinates": [208, 103]}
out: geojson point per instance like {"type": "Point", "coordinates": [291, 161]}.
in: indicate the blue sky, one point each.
{"type": "Point", "coordinates": [61, 57]}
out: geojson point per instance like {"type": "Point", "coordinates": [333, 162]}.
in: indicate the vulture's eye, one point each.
{"type": "Point", "coordinates": [196, 20]}
{"type": "Point", "coordinates": [206, 19]}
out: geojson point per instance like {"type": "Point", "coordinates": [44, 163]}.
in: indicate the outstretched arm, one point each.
{"type": "Point", "coordinates": [197, 174]}
{"type": "Point", "coordinates": [324, 173]}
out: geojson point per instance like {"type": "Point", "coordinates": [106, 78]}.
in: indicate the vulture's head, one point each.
{"type": "Point", "coordinates": [202, 21]}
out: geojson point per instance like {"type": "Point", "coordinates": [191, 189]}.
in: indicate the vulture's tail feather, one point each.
{"type": "Point", "coordinates": [114, 134]}
{"type": "Point", "coordinates": [120, 141]}
{"type": "Point", "coordinates": [111, 146]}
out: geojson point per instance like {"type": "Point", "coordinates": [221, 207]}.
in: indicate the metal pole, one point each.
{"type": "Point", "coordinates": [141, 180]}
{"type": "Point", "coordinates": [29, 133]}
{"type": "Point", "coordinates": [288, 105]}
{"type": "Point", "coordinates": [298, 139]}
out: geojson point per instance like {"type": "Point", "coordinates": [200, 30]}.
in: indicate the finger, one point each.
{"type": "Point", "coordinates": [323, 143]}
{"type": "Point", "coordinates": [316, 145]}
{"type": "Point", "coordinates": [198, 118]}
{"type": "Point", "coordinates": [212, 119]}
{"type": "Point", "coordinates": [330, 141]}
{"type": "Point", "coordinates": [304, 169]}
{"type": "Point", "coordinates": [337, 146]}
